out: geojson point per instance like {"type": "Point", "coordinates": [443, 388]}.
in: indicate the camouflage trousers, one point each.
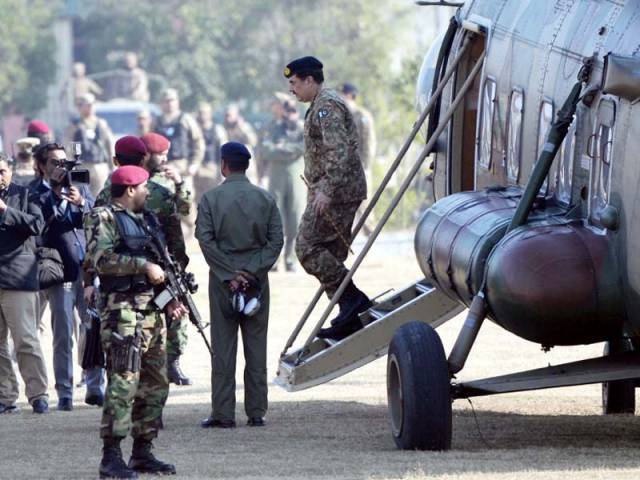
{"type": "Point", "coordinates": [320, 249]}
{"type": "Point", "coordinates": [177, 337]}
{"type": "Point", "coordinates": [135, 396]}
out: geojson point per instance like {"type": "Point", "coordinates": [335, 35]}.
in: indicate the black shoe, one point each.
{"type": "Point", "coordinates": [211, 422]}
{"type": "Point", "coordinates": [175, 373]}
{"type": "Point", "coordinates": [352, 302]}
{"type": "Point", "coordinates": [290, 267]}
{"type": "Point", "coordinates": [12, 408]}
{"type": "Point", "coordinates": [65, 405]}
{"type": "Point", "coordinates": [112, 464]}
{"type": "Point", "coordinates": [341, 331]}
{"type": "Point", "coordinates": [256, 422]}
{"type": "Point", "coordinates": [40, 405]}
{"type": "Point", "coordinates": [143, 461]}
{"type": "Point", "coordinates": [94, 399]}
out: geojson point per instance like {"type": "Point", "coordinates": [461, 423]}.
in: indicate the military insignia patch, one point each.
{"type": "Point", "coordinates": [323, 113]}
{"type": "Point", "coordinates": [287, 72]}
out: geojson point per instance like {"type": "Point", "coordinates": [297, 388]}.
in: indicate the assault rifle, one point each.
{"type": "Point", "coordinates": [180, 286]}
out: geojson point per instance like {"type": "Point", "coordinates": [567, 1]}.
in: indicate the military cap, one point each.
{"type": "Point", "coordinates": [130, 175]}
{"type": "Point", "coordinates": [155, 142]}
{"type": "Point", "coordinates": [235, 153]}
{"type": "Point", "coordinates": [170, 94]}
{"type": "Point", "coordinates": [303, 66]}
{"type": "Point", "coordinates": [27, 144]}
{"type": "Point", "coordinates": [131, 146]}
{"type": "Point", "coordinates": [37, 126]}
{"type": "Point", "coordinates": [349, 89]}
{"type": "Point", "coordinates": [86, 99]}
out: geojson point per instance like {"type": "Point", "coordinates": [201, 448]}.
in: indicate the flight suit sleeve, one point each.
{"type": "Point", "coordinates": [101, 233]}
{"type": "Point", "coordinates": [218, 262]}
{"type": "Point", "coordinates": [333, 149]}
{"type": "Point", "coordinates": [197, 147]}
{"type": "Point", "coordinates": [262, 261]}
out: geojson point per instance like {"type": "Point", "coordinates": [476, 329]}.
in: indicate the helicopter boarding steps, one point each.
{"type": "Point", "coordinates": [325, 359]}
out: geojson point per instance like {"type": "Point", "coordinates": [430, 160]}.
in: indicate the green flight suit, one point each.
{"type": "Point", "coordinates": [238, 228]}
{"type": "Point", "coordinates": [282, 150]}
{"type": "Point", "coordinates": [169, 203]}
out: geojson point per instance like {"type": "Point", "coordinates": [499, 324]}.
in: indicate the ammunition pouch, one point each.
{"type": "Point", "coordinates": [125, 283]}
{"type": "Point", "coordinates": [124, 354]}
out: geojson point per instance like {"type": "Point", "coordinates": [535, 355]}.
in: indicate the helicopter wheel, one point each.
{"type": "Point", "coordinates": [618, 396]}
{"type": "Point", "coordinates": [419, 389]}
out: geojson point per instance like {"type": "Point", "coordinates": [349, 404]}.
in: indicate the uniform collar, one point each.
{"type": "Point", "coordinates": [236, 177]}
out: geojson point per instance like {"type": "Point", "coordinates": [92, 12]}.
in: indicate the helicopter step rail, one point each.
{"type": "Point", "coordinates": [326, 360]}
{"type": "Point", "coordinates": [622, 366]}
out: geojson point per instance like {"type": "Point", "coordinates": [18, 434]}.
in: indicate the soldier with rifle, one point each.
{"type": "Point", "coordinates": [170, 200]}
{"type": "Point", "coordinates": [134, 301]}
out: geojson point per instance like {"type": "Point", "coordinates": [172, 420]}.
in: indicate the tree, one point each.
{"type": "Point", "coordinates": [27, 47]}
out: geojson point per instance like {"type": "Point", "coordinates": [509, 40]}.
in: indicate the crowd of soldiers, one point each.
{"type": "Point", "coordinates": [108, 239]}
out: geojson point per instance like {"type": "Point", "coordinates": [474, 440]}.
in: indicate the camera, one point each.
{"type": "Point", "coordinates": [72, 173]}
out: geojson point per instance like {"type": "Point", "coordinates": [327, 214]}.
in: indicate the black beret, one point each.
{"type": "Point", "coordinates": [303, 66]}
{"type": "Point", "coordinates": [235, 152]}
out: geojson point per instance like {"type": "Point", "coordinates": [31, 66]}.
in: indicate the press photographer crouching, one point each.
{"type": "Point", "coordinates": [20, 223]}
{"type": "Point", "coordinates": [63, 205]}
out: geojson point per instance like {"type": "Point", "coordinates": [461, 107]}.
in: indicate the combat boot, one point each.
{"type": "Point", "coordinates": [175, 373]}
{"type": "Point", "coordinates": [352, 303]}
{"type": "Point", "coordinates": [112, 464]}
{"type": "Point", "coordinates": [143, 461]}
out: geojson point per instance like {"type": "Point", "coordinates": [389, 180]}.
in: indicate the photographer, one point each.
{"type": "Point", "coordinates": [20, 222]}
{"type": "Point", "coordinates": [63, 206]}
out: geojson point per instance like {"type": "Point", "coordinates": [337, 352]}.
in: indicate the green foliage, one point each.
{"type": "Point", "coordinates": [27, 46]}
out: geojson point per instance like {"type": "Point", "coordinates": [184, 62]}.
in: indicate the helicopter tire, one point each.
{"type": "Point", "coordinates": [419, 389]}
{"type": "Point", "coordinates": [618, 396]}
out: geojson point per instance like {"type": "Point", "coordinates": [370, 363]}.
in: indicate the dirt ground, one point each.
{"type": "Point", "coordinates": [340, 429]}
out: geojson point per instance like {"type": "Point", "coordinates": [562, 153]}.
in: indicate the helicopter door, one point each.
{"type": "Point", "coordinates": [600, 150]}
{"type": "Point", "coordinates": [462, 139]}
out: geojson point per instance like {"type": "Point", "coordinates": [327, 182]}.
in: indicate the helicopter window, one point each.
{"type": "Point", "coordinates": [600, 151]}
{"type": "Point", "coordinates": [544, 124]}
{"type": "Point", "coordinates": [565, 167]}
{"type": "Point", "coordinates": [484, 143]}
{"type": "Point", "coordinates": [514, 134]}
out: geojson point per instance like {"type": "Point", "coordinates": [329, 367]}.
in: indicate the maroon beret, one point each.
{"type": "Point", "coordinates": [129, 175]}
{"type": "Point", "coordinates": [37, 126]}
{"type": "Point", "coordinates": [131, 146]}
{"type": "Point", "coordinates": [155, 142]}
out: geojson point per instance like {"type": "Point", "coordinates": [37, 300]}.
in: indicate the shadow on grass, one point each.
{"type": "Point", "coordinates": [325, 439]}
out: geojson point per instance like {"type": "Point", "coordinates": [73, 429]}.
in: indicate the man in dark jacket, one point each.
{"type": "Point", "coordinates": [63, 206]}
{"type": "Point", "coordinates": [20, 222]}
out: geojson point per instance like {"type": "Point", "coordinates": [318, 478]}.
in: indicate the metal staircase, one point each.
{"type": "Point", "coordinates": [324, 360]}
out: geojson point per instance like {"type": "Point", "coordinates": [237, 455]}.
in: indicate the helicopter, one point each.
{"type": "Point", "coordinates": [532, 128]}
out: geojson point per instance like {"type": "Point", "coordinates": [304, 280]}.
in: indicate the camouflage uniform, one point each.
{"type": "Point", "coordinates": [168, 203]}
{"type": "Point", "coordinates": [244, 133]}
{"type": "Point", "coordinates": [332, 166]}
{"type": "Point", "coordinates": [281, 151]}
{"type": "Point", "coordinates": [134, 400]}
{"type": "Point", "coordinates": [366, 150]}
{"type": "Point", "coordinates": [187, 149]}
